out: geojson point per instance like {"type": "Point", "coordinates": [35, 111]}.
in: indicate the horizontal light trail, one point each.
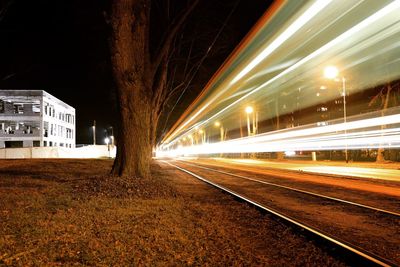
{"type": "Point", "coordinates": [330, 48]}
{"type": "Point", "coordinates": [362, 134]}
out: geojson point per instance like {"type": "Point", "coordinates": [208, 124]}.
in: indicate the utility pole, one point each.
{"type": "Point", "coordinates": [94, 132]}
{"type": "Point", "coordinates": [112, 135]}
{"type": "Point", "coordinates": [345, 117]}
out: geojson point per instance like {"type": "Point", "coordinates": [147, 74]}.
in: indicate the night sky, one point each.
{"type": "Point", "coordinates": [61, 46]}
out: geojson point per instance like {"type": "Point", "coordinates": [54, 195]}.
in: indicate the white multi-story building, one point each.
{"type": "Point", "coordinates": [33, 118]}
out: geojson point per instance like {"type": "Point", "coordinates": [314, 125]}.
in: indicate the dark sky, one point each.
{"type": "Point", "coordinates": [61, 46]}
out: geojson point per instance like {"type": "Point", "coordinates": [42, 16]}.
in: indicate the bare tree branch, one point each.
{"type": "Point", "coordinates": [176, 26]}
{"type": "Point", "coordinates": [3, 10]}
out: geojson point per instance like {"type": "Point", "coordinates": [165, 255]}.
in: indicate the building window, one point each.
{"type": "Point", "coordinates": [36, 108]}
{"type": "Point", "coordinates": [18, 109]}
{"type": "Point", "coordinates": [13, 144]}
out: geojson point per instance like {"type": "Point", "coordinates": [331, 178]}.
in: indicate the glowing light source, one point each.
{"type": "Point", "coordinates": [331, 72]}
{"type": "Point", "coordinates": [107, 140]}
{"type": "Point", "coordinates": [290, 153]}
{"type": "Point", "coordinates": [249, 109]}
{"type": "Point", "coordinates": [217, 124]}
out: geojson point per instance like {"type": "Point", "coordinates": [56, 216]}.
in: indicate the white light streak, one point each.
{"type": "Point", "coordinates": [382, 13]}
{"type": "Point", "coordinates": [303, 19]}
{"type": "Point", "coordinates": [329, 137]}
{"type": "Point", "coordinates": [292, 29]}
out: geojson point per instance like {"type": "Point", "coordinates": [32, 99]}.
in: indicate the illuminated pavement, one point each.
{"type": "Point", "coordinates": [390, 172]}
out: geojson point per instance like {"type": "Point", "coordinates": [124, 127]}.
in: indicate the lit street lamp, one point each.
{"type": "Point", "coordinates": [222, 131]}
{"type": "Point", "coordinates": [249, 110]}
{"type": "Point", "coordinates": [190, 139]}
{"type": "Point", "coordinates": [107, 141]}
{"type": "Point", "coordinates": [94, 132]}
{"type": "Point", "coordinates": [112, 135]}
{"type": "Point", "coordinates": [202, 134]}
{"type": "Point", "coordinates": [331, 72]}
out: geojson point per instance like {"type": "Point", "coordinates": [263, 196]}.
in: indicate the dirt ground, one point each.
{"type": "Point", "coordinates": [70, 212]}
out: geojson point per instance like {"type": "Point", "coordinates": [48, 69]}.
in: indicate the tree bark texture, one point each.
{"type": "Point", "coordinates": [140, 77]}
{"type": "Point", "coordinates": [130, 65]}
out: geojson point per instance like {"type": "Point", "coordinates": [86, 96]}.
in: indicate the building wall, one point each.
{"type": "Point", "coordinates": [32, 118]}
{"type": "Point", "coordinates": [58, 123]}
{"type": "Point", "coordinates": [98, 151]}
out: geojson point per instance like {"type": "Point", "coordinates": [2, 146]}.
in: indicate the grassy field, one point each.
{"type": "Point", "coordinates": [70, 212]}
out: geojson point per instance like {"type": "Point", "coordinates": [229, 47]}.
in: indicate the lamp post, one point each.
{"type": "Point", "coordinates": [191, 139]}
{"type": "Point", "coordinates": [94, 132]}
{"type": "Point", "coordinates": [331, 72]}
{"type": "Point", "coordinates": [221, 130]}
{"type": "Point", "coordinates": [251, 126]}
{"type": "Point", "coordinates": [107, 141]}
{"type": "Point", "coordinates": [112, 135]}
{"type": "Point", "coordinates": [202, 136]}
{"type": "Point", "coordinates": [254, 124]}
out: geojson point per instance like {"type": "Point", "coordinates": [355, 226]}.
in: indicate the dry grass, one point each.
{"type": "Point", "coordinates": [69, 212]}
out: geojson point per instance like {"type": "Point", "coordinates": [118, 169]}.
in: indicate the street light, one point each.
{"type": "Point", "coordinates": [107, 141]}
{"type": "Point", "coordinates": [112, 135]}
{"type": "Point", "coordinates": [221, 130]}
{"type": "Point", "coordinates": [94, 132]}
{"type": "Point", "coordinates": [202, 134]}
{"type": "Point", "coordinates": [249, 110]}
{"type": "Point", "coordinates": [331, 72]}
{"type": "Point", "coordinates": [191, 139]}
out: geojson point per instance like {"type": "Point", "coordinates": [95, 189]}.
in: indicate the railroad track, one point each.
{"type": "Point", "coordinates": [363, 256]}
{"type": "Point", "coordinates": [368, 207]}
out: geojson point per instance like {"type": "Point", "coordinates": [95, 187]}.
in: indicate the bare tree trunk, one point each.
{"type": "Point", "coordinates": [133, 158]}
{"type": "Point", "coordinates": [140, 78]}
{"type": "Point", "coordinates": [130, 19]}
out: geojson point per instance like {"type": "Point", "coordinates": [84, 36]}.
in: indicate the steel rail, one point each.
{"type": "Point", "coordinates": [298, 190]}
{"type": "Point", "coordinates": [355, 250]}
